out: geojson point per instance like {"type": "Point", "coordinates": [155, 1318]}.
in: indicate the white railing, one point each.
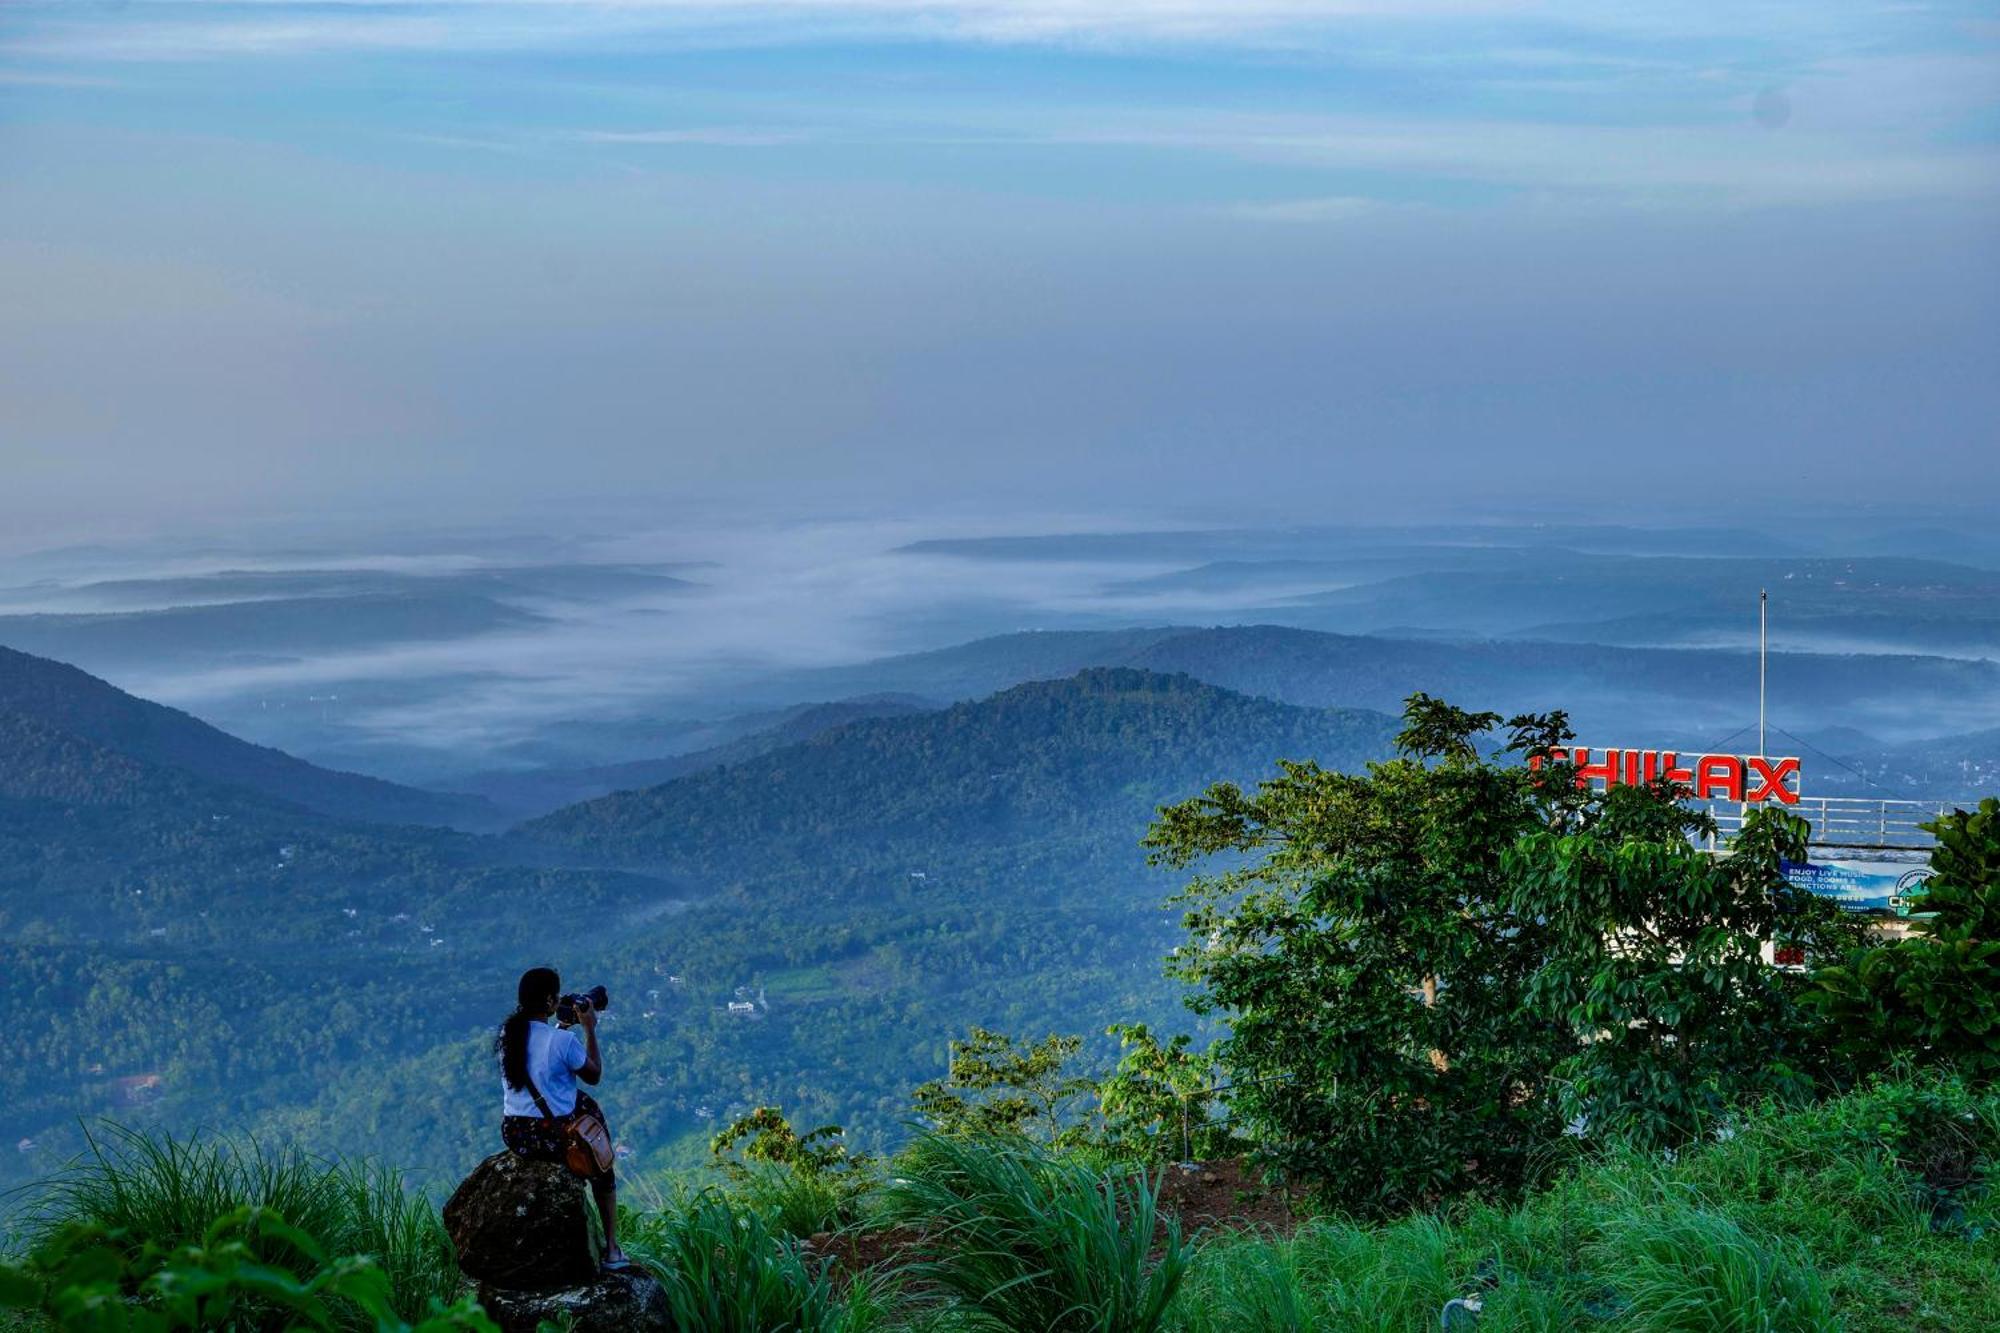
{"type": "Point", "coordinates": [1845, 821]}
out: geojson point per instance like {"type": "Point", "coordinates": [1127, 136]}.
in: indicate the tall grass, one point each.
{"type": "Point", "coordinates": [1869, 1213]}
{"type": "Point", "coordinates": [726, 1270]}
{"type": "Point", "coordinates": [1022, 1240]}
{"type": "Point", "coordinates": [796, 1202]}
{"type": "Point", "coordinates": [168, 1192]}
{"type": "Point", "coordinates": [1685, 1267]}
{"type": "Point", "coordinates": [1795, 1222]}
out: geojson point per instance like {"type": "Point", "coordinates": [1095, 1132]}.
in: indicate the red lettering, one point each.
{"type": "Point", "coordinates": [1707, 777]}
{"type": "Point", "coordinates": [1605, 770]}
{"type": "Point", "coordinates": [1718, 775]}
{"type": "Point", "coordinates": [1772, 773]}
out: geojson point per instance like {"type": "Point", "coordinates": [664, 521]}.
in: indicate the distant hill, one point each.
{"type": "Point", "coordinates": [506, 583]}
{"type": "Point", "coordinates": [1040, 760]}
{"type": "Point", "coordinates": [1604, 688]}
{"type": "Point", "coordinates": [1937, 768]}
{"type": "Point", "coordinates": [263, 629]}
{"type": "Point", "coordinates": [1866, 603]}
{"type": "Point", "coordinates": [1266, 543]}
{"type": "Point", "coordinates": [65, 699]}
{"type": "Point", "coordinates": [528, 792]}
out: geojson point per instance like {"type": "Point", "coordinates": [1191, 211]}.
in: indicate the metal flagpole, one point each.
{"type": "Point", "coordinates": [1763, 652]}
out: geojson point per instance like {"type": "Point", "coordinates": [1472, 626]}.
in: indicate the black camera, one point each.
{"type": "Point", "coordinates": [596, 997]}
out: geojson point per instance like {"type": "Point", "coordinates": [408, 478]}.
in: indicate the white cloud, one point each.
{"type": "Point", "coordinates": [1333, 208]}
{"type": "Point", "coordinates": [717, 136]}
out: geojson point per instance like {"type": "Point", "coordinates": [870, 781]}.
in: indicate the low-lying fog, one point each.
{"type": "Point", "coordinates": [426, 660]}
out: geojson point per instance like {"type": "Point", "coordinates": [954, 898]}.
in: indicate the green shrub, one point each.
{"type": "Point", "coordinates": [249, 1270]}
{"type": "Point", "coordinates": [1784, 1220]}
{"type": "Point", "coordinates": [802, 1184]}
{"type": "Point", "coordinates": [1655, 964]}
{"type": "Point", "coordinates": [1935, 996]}
{"type": "Point", "coordinates": [995, 1085]}
{"type": "Point", "coordinates": [1160, 1104]}
{"type": "Point", "coordinates": [156, 1194]}
{"type": "Point", "coordinates": [726, 1270]}
{"type": "Point", "coordinates": [1019, 1239]}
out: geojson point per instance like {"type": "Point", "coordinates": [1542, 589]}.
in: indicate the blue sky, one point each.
{"type": "Point", "coordinates": [1313, 256]}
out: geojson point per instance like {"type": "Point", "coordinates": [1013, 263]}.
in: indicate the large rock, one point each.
{"type": "Point", "coordinates": [626, 1302]}
{"type": "Point", "coordinates": [522, 1224]}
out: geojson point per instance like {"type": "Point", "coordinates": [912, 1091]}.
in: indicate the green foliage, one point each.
{"type": "Point", "coordinates": [1933, 997]}
{"type": "Point", "coordinates": [1940, 1132]}
{"type": "Point", "coordinates": [771, 1138]}
{"type": "Point", "coordinates": [249, 1270]}
{"type": "Point", "coordinates": [1682, 1266]}
{"type": "Point", "coordinates": [1808, 1220]}
{"type": "Point", "coordinates": [1331, 1274]}
{"type": "Point", "coordinates": [726, 1271]}
{"type": "Point", "coordinates": [803, 1184]}
{"type": "Point", "coordinates": [1160, 1105]}
{"type": "Point", "coordinates": [1020, 1239]}
{"type": "Point", "coordinates": [1654, 961]}
{"type": "Point", "coordinates": [1374, 979]}
{"type": "Point", "coordinates": [1428, 970]}
{"type": "Point", "coordinates": [997, 1086]}
{"type": "Point", "coordinates": [158, 1194]}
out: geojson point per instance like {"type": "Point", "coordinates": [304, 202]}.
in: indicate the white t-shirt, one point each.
{"type": "Point", "coordinates": [554, 1056]}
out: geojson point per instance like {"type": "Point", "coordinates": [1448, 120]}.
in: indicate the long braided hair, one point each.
{"type": "Point", "coordinates": [539, 985]}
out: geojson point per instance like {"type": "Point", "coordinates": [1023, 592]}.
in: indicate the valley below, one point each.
{"type": "Point", "coordinates": [801, 869]}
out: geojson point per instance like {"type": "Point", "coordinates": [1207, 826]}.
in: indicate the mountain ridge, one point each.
{"type": "Point", "coordinates": [71, 700]}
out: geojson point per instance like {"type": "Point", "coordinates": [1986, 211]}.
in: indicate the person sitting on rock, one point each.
{"type": "Point", "coordinates": [540, 1064]}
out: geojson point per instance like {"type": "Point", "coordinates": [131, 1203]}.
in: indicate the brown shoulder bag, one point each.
{"type": "Point", "coordinates": [586, 1138]}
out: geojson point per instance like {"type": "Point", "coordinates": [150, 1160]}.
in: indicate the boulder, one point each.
{"type": "Point", "coordinates": [524, 1225]}
{"type": "Point", "coordinates": [624, 1302]}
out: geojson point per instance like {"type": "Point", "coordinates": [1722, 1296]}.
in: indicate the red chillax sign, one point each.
{"type": "Point", "coordinates": [1711, 777]}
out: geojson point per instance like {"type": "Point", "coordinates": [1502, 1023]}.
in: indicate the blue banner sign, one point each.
{"type": "Point", "coordinates": [1864, 886]}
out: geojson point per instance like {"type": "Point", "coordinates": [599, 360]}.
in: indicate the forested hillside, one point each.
{"type": "Point", "coordinates": [1034, 762]}
{"type": "Point", "coordinates": [190, 950]}
{"type": "Point", "coordinates": [537, 791]}
{"type": "Point", "coordinates": [200, 955]}
{"type": "Point", "coordinates": [74, 701]}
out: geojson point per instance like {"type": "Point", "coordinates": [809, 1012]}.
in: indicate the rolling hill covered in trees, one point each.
{"type": "Point", "coordinates": [202, 954]}
{"type": "Point", "coordinates": [57, 695]}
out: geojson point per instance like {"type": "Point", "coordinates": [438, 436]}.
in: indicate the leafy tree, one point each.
{"type": "Point", "coordinates": [802, 1183]}
{"type": "Point", "coordinates": [1656, 962]}
{"type": "Point", "coordinates": [1374, 977]}
{"type": "Point", "coordinates": [771, 1138]}
{"type": "Point", "coordinates": [996, 1086]}
{"type": "Point", "coordinates": [1933, 997]}
{"type": "Point", "coordinates": [1160, 1104]}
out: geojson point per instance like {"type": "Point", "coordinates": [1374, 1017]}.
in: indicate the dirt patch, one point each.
{"type": "Point", "coordinates": [857, 1252]}
{"type": "Point", "coordinates": [1226, 1194]}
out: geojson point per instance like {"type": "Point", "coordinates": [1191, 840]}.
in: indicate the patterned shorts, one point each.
{"type": "Point", "coordinates": [541, 1140]}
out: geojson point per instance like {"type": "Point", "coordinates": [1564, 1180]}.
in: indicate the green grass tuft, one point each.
{"type": "Point", "coordinates": [169, 1192]}
{"type": "Point", "coordinates": [1023, 1240]}
{"type": "Point", "coordinates": [726, 1270]}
